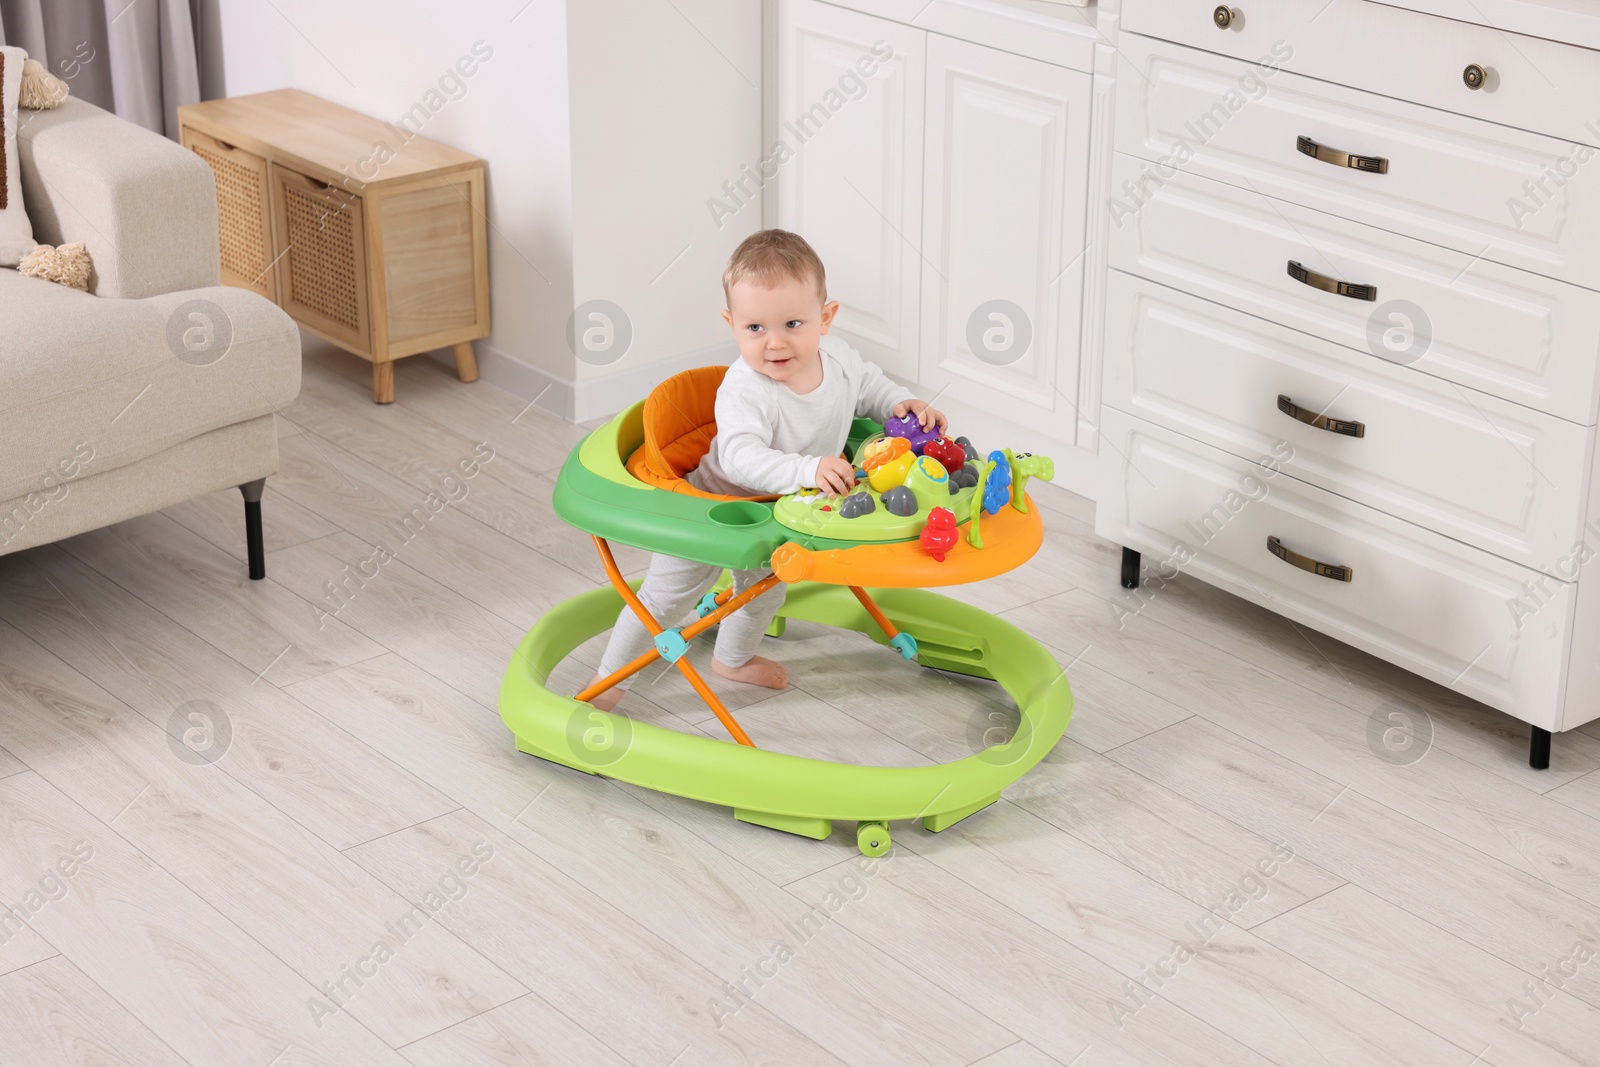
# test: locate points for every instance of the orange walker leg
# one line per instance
(878, 616)
(902, 643)
(726, 606)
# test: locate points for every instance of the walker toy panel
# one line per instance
(795, 793)
(899, 482)
(867, 516)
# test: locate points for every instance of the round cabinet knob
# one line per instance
(1474, 76)
(1224, 16)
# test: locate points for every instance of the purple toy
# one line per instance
(910, 427)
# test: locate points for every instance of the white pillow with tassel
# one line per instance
(16, 231)
(24, 83)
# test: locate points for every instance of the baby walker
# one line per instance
(926, 511)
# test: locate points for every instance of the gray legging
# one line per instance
(671, 587)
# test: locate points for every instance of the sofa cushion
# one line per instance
(88, 384)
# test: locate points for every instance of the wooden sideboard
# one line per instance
(369, 234)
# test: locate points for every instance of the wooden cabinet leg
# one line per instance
(466, 362)
(383, 383)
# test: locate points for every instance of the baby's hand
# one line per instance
(926, 413)
(835, 476)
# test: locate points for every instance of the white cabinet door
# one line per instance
(850, 115)
(1005, 188)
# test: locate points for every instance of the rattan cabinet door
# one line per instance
(322, 265)
(243, 212)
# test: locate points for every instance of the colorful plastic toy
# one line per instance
(928, 483)
(979, 495)
(888, 473)
(624, 482)
(857, 504)
(940, 534)
(997, 487)
(950, 455)
(1025, 465)
(881, 450)
(901, 501)
(910, 427)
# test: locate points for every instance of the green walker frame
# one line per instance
(796, 794)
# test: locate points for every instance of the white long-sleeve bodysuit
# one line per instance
(770, 438)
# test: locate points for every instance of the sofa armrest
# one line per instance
(145, 206)
(109, 373)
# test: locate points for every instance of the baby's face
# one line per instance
(778, 329)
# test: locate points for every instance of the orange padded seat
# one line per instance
(679, 423)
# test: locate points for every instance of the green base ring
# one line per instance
(793, 792)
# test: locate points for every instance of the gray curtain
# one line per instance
(133, 57)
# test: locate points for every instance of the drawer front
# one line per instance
(1448, 180)
(1496, 475)
(1529, 83)
(322, 275)
(1425, 602)
(1573, 21)
(1051, 32)
(1503, 331)
(244, 212)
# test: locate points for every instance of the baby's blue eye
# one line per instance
(793, 324)
(753, 326)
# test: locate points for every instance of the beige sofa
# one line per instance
(157, 385)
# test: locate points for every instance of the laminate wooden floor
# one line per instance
(281, 822)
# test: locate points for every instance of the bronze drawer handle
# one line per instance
(1353, 290)
(1370, 164)
(1306, 563)
(1224, 16)
(1474, 76)
(1322, 422)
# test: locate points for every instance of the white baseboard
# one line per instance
(548, 393)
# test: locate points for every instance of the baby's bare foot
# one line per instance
(607, 700)
(758, 670)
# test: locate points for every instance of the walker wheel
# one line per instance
(872, 838)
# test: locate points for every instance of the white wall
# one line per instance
(666, 107)
(604, 126)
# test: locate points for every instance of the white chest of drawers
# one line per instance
(1355, 290)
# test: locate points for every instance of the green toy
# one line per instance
(976, 513)
(1025, 465)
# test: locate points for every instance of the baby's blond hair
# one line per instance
(768, 257)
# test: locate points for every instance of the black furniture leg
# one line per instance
(1539, 750)
(254, 546)
(1130, 569)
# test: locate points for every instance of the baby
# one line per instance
(783, 414)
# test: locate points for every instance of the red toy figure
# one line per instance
(940, 533)
(950, 455)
